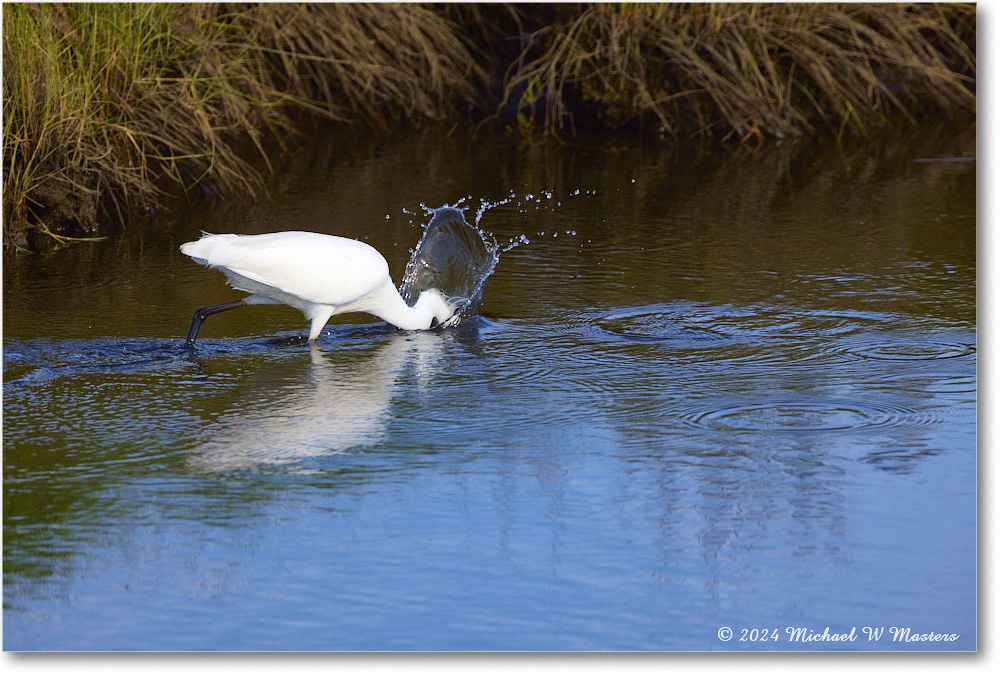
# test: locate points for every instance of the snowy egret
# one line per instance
(318, 274)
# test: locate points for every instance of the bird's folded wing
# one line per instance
(316, 268)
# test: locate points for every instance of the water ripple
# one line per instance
(801, 416)
(752, 333)
(910, 348)
(43, 360)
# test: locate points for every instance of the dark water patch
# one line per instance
(900, 460)
(940, 160)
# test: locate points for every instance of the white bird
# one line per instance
(318, 274)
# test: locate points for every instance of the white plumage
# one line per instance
(318, 274)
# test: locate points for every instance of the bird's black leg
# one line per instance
(204, 313)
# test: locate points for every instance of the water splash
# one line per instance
(454, 257)
(457, 257)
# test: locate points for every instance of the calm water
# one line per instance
(707, 391)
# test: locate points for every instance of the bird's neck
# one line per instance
(428, 307)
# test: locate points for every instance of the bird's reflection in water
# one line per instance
(339, 404)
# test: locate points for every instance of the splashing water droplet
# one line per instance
(454, 257)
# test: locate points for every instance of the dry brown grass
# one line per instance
(747, 70)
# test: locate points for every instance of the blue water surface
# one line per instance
(711, 402)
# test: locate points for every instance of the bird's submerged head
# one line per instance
(446, 311)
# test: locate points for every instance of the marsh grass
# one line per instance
(746, 71)
(63, 137)
(107, 107)
(110, 107)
